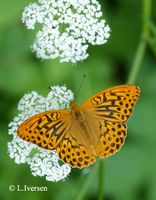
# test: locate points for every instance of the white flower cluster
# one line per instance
(43, 162)
(67, 25)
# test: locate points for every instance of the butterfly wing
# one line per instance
(108, 136)
(57, 130)
(106, 113)
(46, 129)
(73, 150)
(114, 104)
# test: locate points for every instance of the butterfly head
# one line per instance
(73, 105)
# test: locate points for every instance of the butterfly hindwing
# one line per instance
(73, 151)
(108, 136)
(111, 139)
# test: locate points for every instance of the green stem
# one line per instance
(142, 44)
(87, 182)
(146, 13)
(101, 179)
(137, 62)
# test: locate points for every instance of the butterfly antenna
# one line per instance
(59, 94)
(80, 86)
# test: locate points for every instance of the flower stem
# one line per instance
(142, 44)
(87, 182)
(137, 61)
(101, 180)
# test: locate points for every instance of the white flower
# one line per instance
(67, 25)
(44, 162)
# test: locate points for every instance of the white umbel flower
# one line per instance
(67, 27)
(42, 162)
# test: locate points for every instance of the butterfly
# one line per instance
(95, 129)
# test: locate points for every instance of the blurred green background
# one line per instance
(128, 175)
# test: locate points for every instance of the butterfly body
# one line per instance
(78, 117)
(96, 128)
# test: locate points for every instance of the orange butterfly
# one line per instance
(96, 128)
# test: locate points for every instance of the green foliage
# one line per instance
(130, 174)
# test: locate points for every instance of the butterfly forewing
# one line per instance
(114, 104)
(45, 129)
